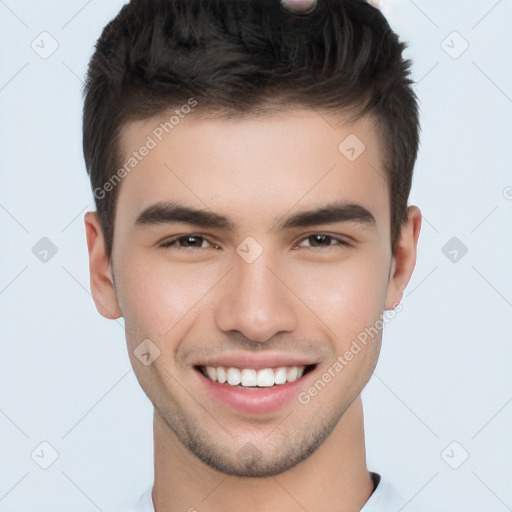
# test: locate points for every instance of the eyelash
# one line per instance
(171, 243)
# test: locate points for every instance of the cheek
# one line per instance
(156, 298)
(349, 300)
(347, 296)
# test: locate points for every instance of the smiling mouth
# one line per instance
(254, 379)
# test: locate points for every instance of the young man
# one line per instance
(251, 169)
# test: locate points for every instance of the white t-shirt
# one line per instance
(384, 498)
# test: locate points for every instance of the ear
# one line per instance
(404, 258)
(102, 286)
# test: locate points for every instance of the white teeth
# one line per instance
(234, 376)
(212, 372)
(280, 376)
(248, 377)
(292, 374)
(221, 374)
(266, 378)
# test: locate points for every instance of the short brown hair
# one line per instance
(244, 57)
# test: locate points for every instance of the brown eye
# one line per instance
(185, 242)
(322, 240)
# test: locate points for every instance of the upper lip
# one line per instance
(255, 361)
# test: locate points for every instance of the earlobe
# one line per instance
(404, 258)
(101, 282)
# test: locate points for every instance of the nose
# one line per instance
(255, 301)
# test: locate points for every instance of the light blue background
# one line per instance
(444, 372)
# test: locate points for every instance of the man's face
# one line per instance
(255, 289)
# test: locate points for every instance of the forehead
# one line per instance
(253, 167)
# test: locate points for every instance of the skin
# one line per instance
(312, 300)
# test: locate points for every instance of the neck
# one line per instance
(333, 478)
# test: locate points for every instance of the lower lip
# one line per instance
(255, 401)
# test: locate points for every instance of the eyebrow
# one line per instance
(172, 212)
